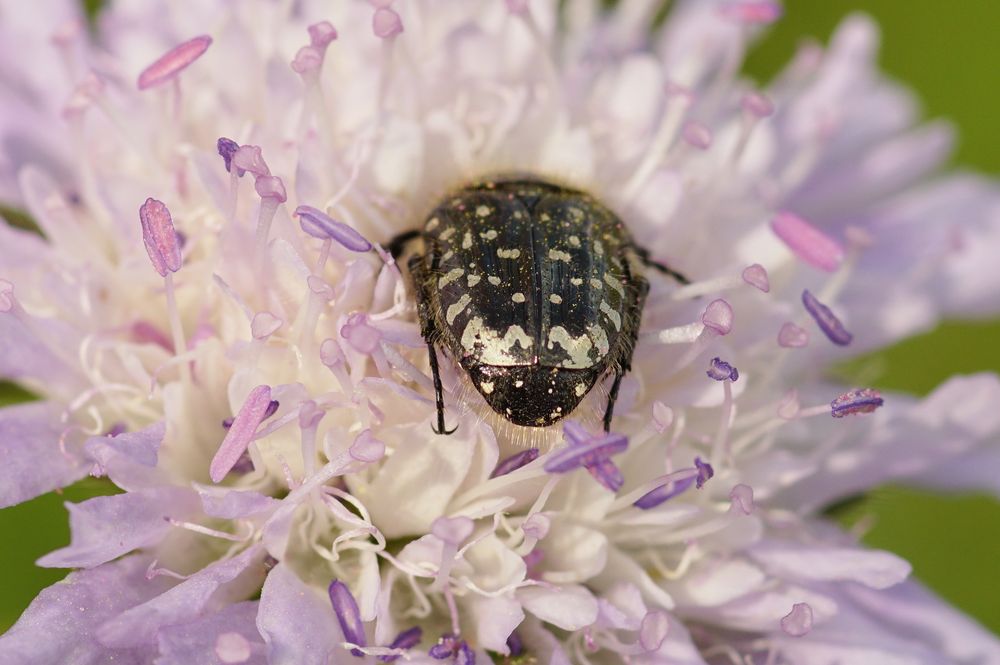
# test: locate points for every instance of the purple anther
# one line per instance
(407, 639)
(752, 12)
(664, 493)
(330, 354)
(792, 337)
(321, 34)
(250, 158)
(173, 61)
(799, 621)
(826, 320)
(756, 276)
(807, 242)
(318, 224)
(718, 316)
(366, 448)
(515, 462)
(705, 472)
(310, 414)
(271, 187)
(159, 236)
(363, 337)
(116, 429)
(241, 432)
(757, 104)
(696, 134)
(741, 497)
(854, 402)
(227, 148)
(6, 296)
(386, 23)
(653, 630)
(272, 408)
(450, 646)
(720, 370)
(590, 452)
(348, 616)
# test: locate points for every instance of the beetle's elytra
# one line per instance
(535, 289)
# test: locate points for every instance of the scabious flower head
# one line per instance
(257, 386)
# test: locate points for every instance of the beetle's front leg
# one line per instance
(429, 332)
(643, 255)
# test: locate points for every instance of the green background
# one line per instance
(948, 53)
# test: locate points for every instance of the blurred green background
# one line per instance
(948, 53)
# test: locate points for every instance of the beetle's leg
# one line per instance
(429, 333)
(643, 254)
(609, 412)
(398, 244)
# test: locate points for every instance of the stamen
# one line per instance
(159, 236)
(405, 640)
(366, 448)
(653, 630)
(264, 324)
(241, 433)
(320, 225)
(6, 296)
(720, 370)
(591, 452)
(309, 416)
(173, 62)
(792, 336)
(705, 472)
(321, 34)
(799, 621)
(757, 104)
(826, 320)
(663, 416)
(514, 645)
(363, 337)
(756, 276)
(250, 158)
(332, 357)
(752, 12)
(696, 134)
(515, 462)
(348, 615)
(807, 242)
(741, 497)
(718, 316)
(854, 402)
(386, 23)
(307, 62)
(536, 526)
(679, 483)
(450, 646)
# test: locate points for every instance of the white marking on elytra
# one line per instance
(580, 389)
(447, 255)
(432, 223)
(596, 283)
(488, 235)
(487, 387)
(555, 299)
(483, 211)
(600, 339)
(508, 253)
(450, 277)
(457, 308)
(576, 281)
(577, 348)
(447, 233)
(557, 255)
(598, 248)
(494, 280)
(615, 317)
(472, 280)
(467, 240)
(614, 283)
(574, 241)
(518, 383)
(518, 297)
(496, 350)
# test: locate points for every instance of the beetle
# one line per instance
(535, 288)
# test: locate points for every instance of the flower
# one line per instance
(212, 324)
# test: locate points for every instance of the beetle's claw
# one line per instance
(443, 430)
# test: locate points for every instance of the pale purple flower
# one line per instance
(337, 527)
